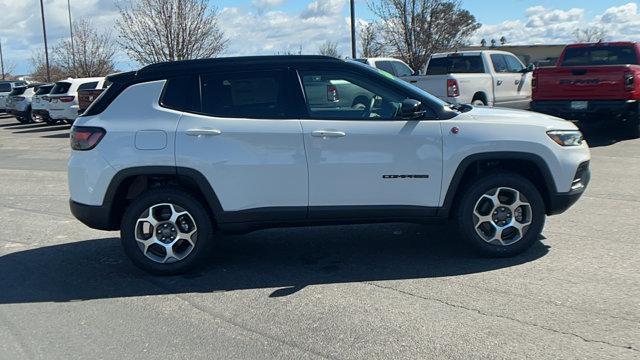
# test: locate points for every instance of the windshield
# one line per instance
(18, 91)
(44, 90)
(600, 55)
(60, 88)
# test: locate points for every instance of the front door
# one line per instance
(362, 156)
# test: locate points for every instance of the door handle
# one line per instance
(413, 81)
(499, 82)
(328, 134)
(203, 132)
(517, 82)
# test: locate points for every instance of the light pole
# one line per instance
(1, 59)
(46, 49)
(73, 48)
(353, 29)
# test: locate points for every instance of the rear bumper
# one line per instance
(596, 111)
(95, 217)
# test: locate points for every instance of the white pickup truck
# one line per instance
(488, 77)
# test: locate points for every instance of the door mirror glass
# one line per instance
(412, 109)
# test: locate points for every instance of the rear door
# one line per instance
(245, 138)
(363, 158)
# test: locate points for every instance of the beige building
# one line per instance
(540, 55)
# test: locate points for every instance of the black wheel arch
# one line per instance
(474, 165)
(130, 182)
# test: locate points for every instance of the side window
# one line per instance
(499, 63)
(513, 64)
(88, 86)
(255, 95)
(386, 66)
(347, 96)
(401, 69)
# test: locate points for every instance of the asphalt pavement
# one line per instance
(393, 291)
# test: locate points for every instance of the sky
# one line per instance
(263, 27)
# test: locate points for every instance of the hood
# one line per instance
(512, 116)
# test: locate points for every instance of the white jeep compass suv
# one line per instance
(176, 153)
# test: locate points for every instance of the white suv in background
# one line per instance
(18, 103)
(63, 98)
(175, 153)
(40, 104)
(5, 88)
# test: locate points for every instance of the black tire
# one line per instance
(185, 201)
(49, 120)
(478, 101)
(473, 192)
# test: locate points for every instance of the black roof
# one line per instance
(173, 68)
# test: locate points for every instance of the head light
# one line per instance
(566, 137)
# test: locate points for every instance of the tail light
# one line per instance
(332, 93)
(534, 82)
(66, 98)
(85, 137)
(452, 88)
(629, 81)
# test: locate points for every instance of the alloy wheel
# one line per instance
(166, 233)
(502, 216)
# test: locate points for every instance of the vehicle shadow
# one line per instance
(43, 129)
(600, 136)
(286, 260)
(20, 126)
(64, 135)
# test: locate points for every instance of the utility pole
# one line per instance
(353, 29)
(1, 59)
(73, 48)
(46, 49)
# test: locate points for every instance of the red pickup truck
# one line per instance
(592, 83)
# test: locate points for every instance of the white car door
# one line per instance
(523, 89)
(362, 156)
(248, 144)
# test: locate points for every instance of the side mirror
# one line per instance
(411, 109)
(528, 69)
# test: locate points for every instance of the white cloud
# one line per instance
(323, 8)
(556, 26)
(274, 31)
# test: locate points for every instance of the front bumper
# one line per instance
(561, 202)
(596, 111)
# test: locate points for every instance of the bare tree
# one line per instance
(590, 34)
(415, 29)
(329, 48)
(503, 40)
(153, 31)
(370, 45)
(9, 69)
(39, 68)
(92, 54)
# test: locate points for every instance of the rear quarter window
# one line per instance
(181, 94)
(5, 87)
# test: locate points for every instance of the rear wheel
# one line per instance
(501, 214)
(166, 231)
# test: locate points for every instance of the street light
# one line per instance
(46, 49)
(73, 49)
(353, 29)
(1, 59)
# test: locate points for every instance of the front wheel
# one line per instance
(166, 231)
(501, 214)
